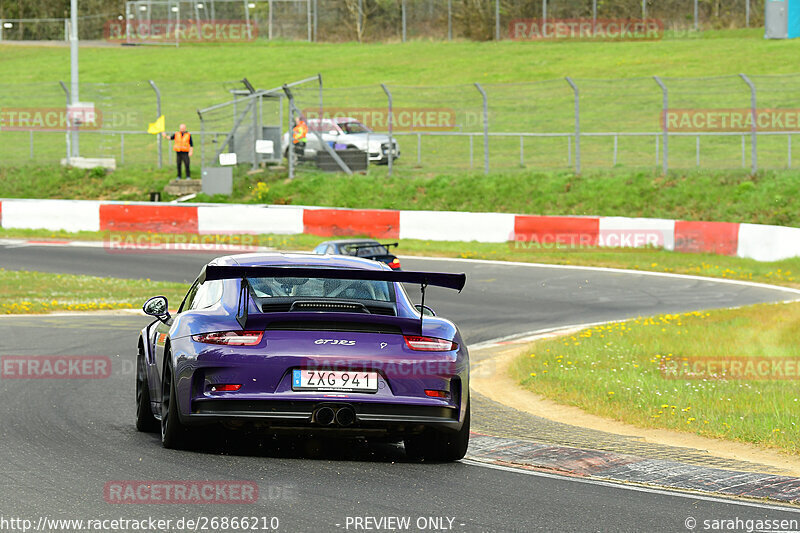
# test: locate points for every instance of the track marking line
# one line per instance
(637, 488)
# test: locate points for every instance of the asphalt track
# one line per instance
(63, 440)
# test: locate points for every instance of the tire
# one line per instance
(145, 421)
(441, 446)
(174, 434)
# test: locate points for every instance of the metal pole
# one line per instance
(496, 20)
(753, 137)
(360, 19)
(308, 19)
(747, 13)
(158, 114)
(390, 120)
(67, 136)
(449, 20)
(247, 20)
(321, 110)
(594, 15)
(695, 15)
(664, 125)
(403, 7)
(544, 11)
(290, 148)
(316, 20)
(577, 125)
(256, 133)
(644, 9)
(73, 65)
(269, 21)
(485, 128)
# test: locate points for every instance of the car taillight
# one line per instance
(429, 344)
(230, 338)
(228, 387)
(437, 393)
(395, 263)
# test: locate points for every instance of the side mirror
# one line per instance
(158, 307)
(425, 310)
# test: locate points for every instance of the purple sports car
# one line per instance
(306, 343)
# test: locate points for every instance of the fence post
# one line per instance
(449, 20)
(485, 128)
(390, 148)
(594, 15)
(403, 14)
(665, 154)
(308, 20)
(746, 13)
(753, 138)
(69, 148)
(496, 20)
(158, 114)
(577, 125)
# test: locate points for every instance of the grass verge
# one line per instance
(40, 292)
(657, 373)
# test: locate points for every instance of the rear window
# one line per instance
(339, 289)
(362, 250)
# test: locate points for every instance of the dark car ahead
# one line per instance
(367, 249)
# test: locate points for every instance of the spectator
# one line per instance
(184, 148)
(299, 133)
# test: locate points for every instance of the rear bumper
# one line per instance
(299, 416)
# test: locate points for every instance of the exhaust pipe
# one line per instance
(324, 416)
(345, 416)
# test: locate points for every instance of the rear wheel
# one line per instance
(174, 434)
(440, 445)
(145, 421)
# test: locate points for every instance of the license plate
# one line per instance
(334, 380)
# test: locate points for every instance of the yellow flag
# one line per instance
(156, 127)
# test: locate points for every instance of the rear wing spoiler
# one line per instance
(437, 279)
(423, 279)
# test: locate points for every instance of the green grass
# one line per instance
(783, 272)
(412, 63)
(767, 198)
(641, 372)
(40, 292)
(196, 76)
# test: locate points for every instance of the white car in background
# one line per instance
(348, 132)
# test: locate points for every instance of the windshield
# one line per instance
(364, 249)
(347, 289)
(354, 127)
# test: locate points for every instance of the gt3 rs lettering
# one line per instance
(340, 342)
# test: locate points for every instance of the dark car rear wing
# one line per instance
(423, 279)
